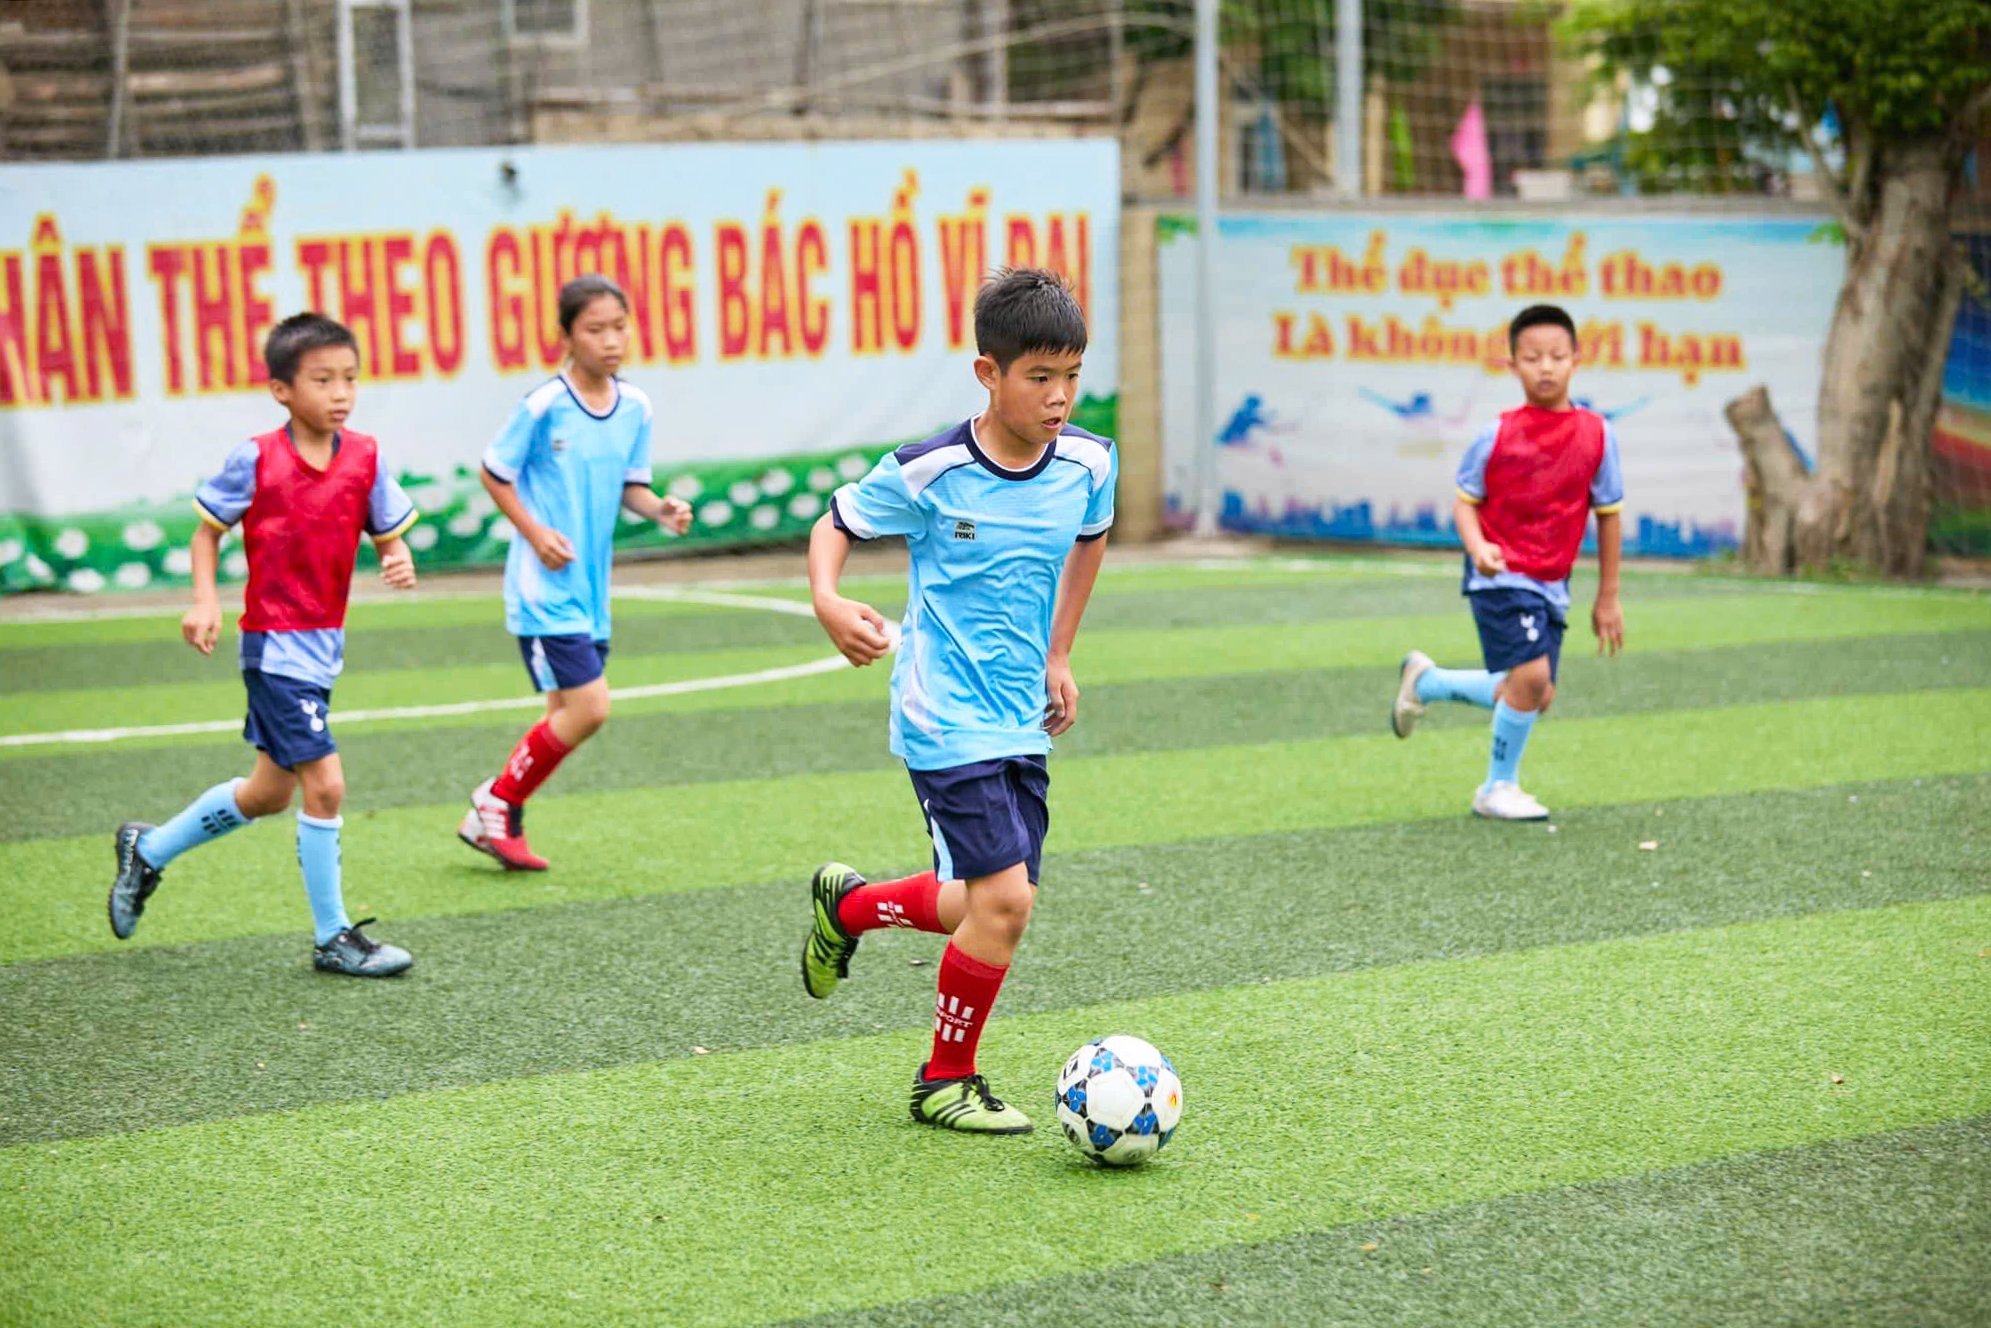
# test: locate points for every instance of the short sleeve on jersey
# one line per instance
(1472, 466)
(1099, 508)
(389, 509)
(638, 469)
(1607, 488)
(222, 500)
(507, 454)
(880, 504)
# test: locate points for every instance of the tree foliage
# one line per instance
(1733, 78)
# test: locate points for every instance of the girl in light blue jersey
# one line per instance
(573, 456)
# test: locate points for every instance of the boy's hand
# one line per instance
(674, 515)
(1608, 621)
(1489, 559)
(857, 630)
(202, 626)
(552, 547)
(397, 569)
(1061, 697)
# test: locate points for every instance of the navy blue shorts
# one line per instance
(1516, 626)
(289, 718)
(555, 663)
(987, 816)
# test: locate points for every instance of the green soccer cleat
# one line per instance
(826, 954)
(966, 1105)
(134, 883)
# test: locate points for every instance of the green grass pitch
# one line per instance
(1712, 1050)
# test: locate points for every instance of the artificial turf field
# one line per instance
(1435, 1070)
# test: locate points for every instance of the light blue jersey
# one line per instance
(987, 547)
(569, 465)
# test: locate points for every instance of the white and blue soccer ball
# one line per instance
(1119, 1100)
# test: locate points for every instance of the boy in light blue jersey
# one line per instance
(572, 458)
(1005, 517)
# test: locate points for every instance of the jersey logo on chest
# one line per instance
(964, 530)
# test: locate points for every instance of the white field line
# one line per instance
(534, 702)
(724, 599)
(688, 685)
(107, 612)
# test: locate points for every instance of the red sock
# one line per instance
(913, 902)
(968, 988)
(537, 755)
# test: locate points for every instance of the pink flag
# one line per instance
(1470, 151)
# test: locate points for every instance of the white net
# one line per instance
(1493, 97)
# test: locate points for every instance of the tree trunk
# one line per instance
(1868, 500)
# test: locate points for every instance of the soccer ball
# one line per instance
(1119, 1100)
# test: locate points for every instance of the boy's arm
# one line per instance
(855, 628)
(397, 562)
(1485, 554)
(201, 626)
(1074, 591)
(551, 546)
(672, 513)
(1606, 618)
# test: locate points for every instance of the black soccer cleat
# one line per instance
(358, 955)
(134, 883)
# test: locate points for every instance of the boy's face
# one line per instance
(600, 335)
(1544, 359)
(1033, 398)
(321, 393)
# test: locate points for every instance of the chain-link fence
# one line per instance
(1483, 98)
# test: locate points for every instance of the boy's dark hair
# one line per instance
(583, 291)
(298, 335)
(1540, 315)
(1025, 309)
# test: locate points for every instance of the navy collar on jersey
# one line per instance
(291, 438)
(614, 381)
(1003, 472)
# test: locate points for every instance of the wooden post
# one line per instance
(114, 137)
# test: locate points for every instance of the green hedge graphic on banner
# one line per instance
(732, 503)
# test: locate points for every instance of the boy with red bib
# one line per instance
(303, 494)
(1527, 488)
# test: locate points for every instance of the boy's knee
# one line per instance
(584, 711)
(1005, 903)
(257, 801)
(1528, 686)
(324, 795)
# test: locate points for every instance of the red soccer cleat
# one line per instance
(497, 827)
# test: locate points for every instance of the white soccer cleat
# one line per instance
(1408, 709)
(485, 812)
(1505, 801)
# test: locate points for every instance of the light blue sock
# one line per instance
(210, 816)
(318, 855)
(1473, 686)
(1510, 738)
